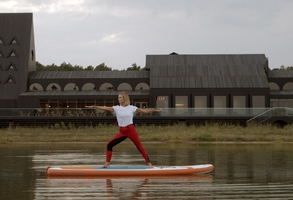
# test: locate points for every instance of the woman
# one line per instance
(124, 113)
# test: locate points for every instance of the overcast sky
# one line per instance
(122, 32)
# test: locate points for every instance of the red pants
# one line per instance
(126, 132)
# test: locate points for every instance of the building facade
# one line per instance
(168, 81)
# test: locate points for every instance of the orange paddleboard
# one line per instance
(93, 170)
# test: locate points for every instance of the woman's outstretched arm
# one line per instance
(105, 108)
(147, 110)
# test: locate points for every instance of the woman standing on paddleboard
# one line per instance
(124, 113)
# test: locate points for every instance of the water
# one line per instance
(242, 171)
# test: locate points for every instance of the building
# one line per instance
(17, 56)
(219, 84)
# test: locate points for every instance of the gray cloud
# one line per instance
(119, 33)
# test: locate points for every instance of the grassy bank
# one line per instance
(174, 133)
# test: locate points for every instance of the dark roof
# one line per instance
(87, 74)
(283, 92)
(83, 93)
(280, 73)
(208, 71)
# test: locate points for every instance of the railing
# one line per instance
(272, 112)
(172, 112)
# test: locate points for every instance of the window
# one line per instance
(71, 86)
(290, 103)
(219, 101)
(10, 80)
(35, 87)
(13, 54)
(106, 86)
(53, 86)
(181, 105)
(258, 101)
(162, 102)
(288, 86)
(141, 104)
(239, 102)
(88, 86)
(181, 102)
(53, 103)
(124, 87)
(71, 103)
(1, 41)
(142, 86)
(200, 105)
(274, 86)
(200, 102)
(32, 52)
(220, 105)
(281, 103)
(12, 67)
(14, 41)
(81, 103)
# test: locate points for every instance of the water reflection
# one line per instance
(242, 171)
(126, 187)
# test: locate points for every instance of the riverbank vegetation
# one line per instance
(150, 133)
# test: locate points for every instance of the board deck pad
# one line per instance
(123, 167)
(135, 170)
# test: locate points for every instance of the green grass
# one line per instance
(171, 134)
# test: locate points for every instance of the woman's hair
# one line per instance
(126, 98)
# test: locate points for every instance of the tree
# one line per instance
(89, 68)
(103, 67)
(134, 67)
(282, 67)
(68, 67)
(39, 66)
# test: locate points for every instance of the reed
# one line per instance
(150, 133)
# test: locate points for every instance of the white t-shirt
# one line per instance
(124, 114)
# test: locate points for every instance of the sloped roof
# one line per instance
(283, 92)
(87, 74)
(208, 71)
(83, 93)
(280, 73)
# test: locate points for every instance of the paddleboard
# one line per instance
(94, 170)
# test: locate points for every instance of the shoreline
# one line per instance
(149, 142)
(215, 133)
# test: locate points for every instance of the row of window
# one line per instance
(218, 102)
(89, 86)
(81, 103)
(161, 102)
(70, 107)
(123, 86)
(76, 107)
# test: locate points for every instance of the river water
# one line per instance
(242, 171)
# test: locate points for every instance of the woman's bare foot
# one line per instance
(106, 165)
(150, 165)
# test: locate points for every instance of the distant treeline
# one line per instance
(286, 68)
(69, 67)
(101, 67)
